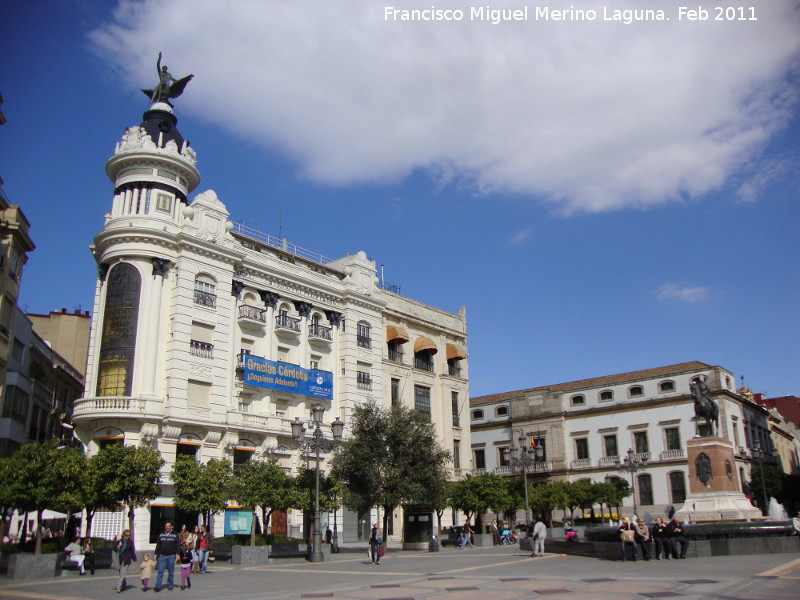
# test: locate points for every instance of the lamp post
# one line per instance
(315, 443)
(632, 464)
(527, 456)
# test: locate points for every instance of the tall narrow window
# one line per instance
(677, 485)
(480, 459)
(454, 405)
(205, 291)
(395, 392)
(581, 448)
(422, 399)
(672, 437)
(645, 489)
(363, 336)
(610, 445)
(456, 454)
(118, 342)
(640, 442)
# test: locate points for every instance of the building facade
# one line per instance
(587, 427)
(210, 338)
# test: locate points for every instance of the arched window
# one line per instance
(677, 486)
(645, 485)
(188, 445)
(108, 436)
(205, 291)
(363, 338)
(120, 321)
(578, 400)
(666, 386)
(606, 395)
(501, 411)
(635, 391)
(477, 415)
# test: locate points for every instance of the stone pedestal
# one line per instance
(714, 487)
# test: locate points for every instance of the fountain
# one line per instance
(776, 511)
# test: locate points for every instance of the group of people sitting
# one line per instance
(668, 538)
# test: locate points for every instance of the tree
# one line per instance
(393, 457)
(580, 494)
(766, 481)
(130, 475)
(474, 495)
(41, 477)
(265, 484)
(305, 486)
(203, 488)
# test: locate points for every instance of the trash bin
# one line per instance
(433, 545)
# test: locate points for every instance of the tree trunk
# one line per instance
(253, 529)
(3, 522)
(131, 517)
(37, 549)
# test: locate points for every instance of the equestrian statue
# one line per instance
(704, 406)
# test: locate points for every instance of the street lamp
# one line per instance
(632, 463)
(315, 443)
(527, 457)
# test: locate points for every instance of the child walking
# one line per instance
(186, 567)
(147, 570)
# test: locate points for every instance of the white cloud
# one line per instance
(520, 236)
(672, 292)
(589, 116)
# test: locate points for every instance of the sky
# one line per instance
(603, 196)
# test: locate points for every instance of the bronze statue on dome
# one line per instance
(167, 86)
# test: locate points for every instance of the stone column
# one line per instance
(160, 270)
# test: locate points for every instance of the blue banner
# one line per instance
(284, 377)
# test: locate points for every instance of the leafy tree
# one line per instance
(579, 494)
(264, 484)
(130, 475)
(203, 488)
(766, 480)
(41, 477)
(393, 457)
(440, 496)
(474, 495)
(305, 490)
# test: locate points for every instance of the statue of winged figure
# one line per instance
(167, 86)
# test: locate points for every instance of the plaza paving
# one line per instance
(502, 573)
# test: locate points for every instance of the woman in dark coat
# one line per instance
(127, 555)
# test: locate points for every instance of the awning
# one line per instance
(393, 332)
(455, 352)
(422, 343)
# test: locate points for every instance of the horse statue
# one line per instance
(704, 406)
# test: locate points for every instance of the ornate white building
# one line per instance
(586, 428)
(209, 338)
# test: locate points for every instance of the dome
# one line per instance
(161, 125)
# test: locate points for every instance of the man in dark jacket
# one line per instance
(165, 553)
(677, 537)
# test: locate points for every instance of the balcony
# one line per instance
(672, 454)
(580, 463)
(364, 341)
(252, 314)
(396, 355)
(503, 470)
(609, 461)
(205, 299)
(363, 381)
(641, 456)
(253, 422)
(320, 332)
(116, 407)
(201, 349)
(287, 324)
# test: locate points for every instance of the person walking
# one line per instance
(146, 567)
(194, 551)
(204, 545)
(185, 558)
(375, 543)
(467, 533)
(538, 536)
(165, 553)
(127, 554)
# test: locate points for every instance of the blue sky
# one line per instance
(602, 197)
